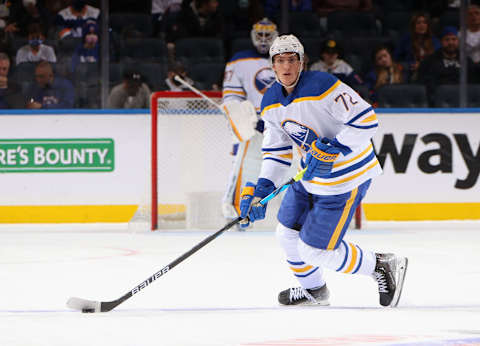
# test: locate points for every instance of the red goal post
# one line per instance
(191, 162)
(185, 129)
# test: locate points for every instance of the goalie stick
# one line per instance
(241, 131)
(86, 305)
(199, 93)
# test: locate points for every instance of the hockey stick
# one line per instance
(199, 93)
(85, 305)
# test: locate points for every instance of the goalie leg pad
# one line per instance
(246, 168)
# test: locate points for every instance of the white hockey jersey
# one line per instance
(248, 75)
(320, 106)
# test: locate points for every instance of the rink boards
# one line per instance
(94, 166)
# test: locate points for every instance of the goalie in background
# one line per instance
(332, 126)
(247, 77)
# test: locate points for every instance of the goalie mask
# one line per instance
(263, 34)
(287, 44)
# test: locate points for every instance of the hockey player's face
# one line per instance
(287, 67)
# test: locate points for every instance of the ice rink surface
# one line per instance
(226, 294)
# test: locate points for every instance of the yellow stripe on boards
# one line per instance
(343, 218)
(353, 260)
(168, 209)
(421, 211)
(66, 213)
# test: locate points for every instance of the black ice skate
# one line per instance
(389, 273)
(301, 296)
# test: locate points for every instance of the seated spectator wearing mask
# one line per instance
(35, 50)
(49, 91)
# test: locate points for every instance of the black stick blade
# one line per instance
(84, 305)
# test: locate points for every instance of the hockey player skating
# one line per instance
(247, 76)
(333, 127)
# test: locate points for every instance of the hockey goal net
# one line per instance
(191, 162)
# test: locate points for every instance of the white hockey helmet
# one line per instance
(287, 44)
(263, 33)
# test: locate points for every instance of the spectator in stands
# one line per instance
(131, 93)
(324, 7)
(49, 91)
(272, 7)
(417, 44)
(26, 12)
(4, 14)
(35, 50)
(330, 62)
(162, 12)
(54, 6)
(197, 18)
(385, 71)
(177, 68)
(443, 67)
(6, 43)
(71, 20)
(10, 92)
(88, 51)
(473, 33)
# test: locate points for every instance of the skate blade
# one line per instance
(401, 269)
(308, 303)
(316, 303)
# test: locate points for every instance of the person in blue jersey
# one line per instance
(332, 126)
(71, 20)
(87, 51)
(247, 77)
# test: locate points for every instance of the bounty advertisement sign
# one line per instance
(57, 155)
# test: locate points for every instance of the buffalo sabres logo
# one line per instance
(264, 79)
(301, 135)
